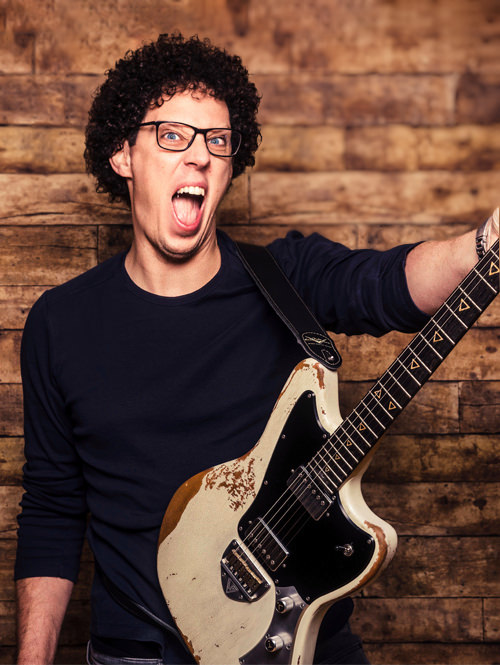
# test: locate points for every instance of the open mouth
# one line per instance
(187, 203)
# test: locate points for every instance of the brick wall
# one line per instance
(381, 124)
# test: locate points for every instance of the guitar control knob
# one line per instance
(284, 605)
(274, 643)
(347, 550)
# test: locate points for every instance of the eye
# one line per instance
(172, 133)
(218, 141)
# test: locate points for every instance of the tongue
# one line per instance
(186, 208)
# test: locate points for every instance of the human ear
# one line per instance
(120, 161)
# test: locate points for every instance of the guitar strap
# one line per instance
(289, 306)
(287, 303)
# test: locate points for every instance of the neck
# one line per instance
(162, 275)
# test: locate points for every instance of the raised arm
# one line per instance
(434, 268)
(41, 605)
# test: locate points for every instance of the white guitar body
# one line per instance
(211, 515)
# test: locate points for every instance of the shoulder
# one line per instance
(307, 256)
(60, 300)
(92, 279)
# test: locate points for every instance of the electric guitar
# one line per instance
(254, 551)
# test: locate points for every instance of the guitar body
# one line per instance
(250, 556)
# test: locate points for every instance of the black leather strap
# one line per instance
(136, 608)
(287, 303)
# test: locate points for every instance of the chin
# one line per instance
(181, 251)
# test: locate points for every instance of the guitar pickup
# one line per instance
(302, 484)
(241, 579)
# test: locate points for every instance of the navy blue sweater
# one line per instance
(127, 394)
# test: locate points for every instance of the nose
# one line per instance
(197, 153)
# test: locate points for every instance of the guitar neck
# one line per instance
(378, 409)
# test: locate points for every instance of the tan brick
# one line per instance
(369, 99)
(418, 619)
(56, 199)
(300, 149)
(16, 47)
(427, 458)
(403, 148)
(478, 98)
(431, 653)
(114, 239)
(41, 150)
(391, 148)
(45, 255)
(11, 462)
(234, 208)
(45, 99)
(11, 410)
(461, 148)
(437, 509)
(15, 303)
(492, 619)
(480, 406)
(423, 565)
(9, 500)
(419, 198)
(396, 36)
(10, 346)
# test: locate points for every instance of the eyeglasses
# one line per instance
(177, 136)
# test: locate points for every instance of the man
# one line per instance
(166, 360)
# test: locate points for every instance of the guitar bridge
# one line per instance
(241, 579)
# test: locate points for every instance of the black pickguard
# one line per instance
(314, 566)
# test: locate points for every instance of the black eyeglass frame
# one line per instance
(234, 133)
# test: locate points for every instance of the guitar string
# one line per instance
(294, 495)
(362, 417)
(272, 521)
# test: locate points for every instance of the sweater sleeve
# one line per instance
(53, 508)
(350, 291)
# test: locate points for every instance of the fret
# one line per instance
(470, 299)
(349, 442)
(357, 434)
(440, 340)
(430, 346)
(398, 383)
(485, 280)
(416, 359)
(338, 461)
(363, 421)
(410, 374)
(328, 469)
(361, 427)
(456, 315)
(386, 401)
(328, 483)
(378, 396)
(372, 415)
(442, 330)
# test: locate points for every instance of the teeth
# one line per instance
(194, 191)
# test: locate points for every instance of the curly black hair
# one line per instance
(144, 78)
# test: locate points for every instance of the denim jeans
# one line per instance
(96, 658)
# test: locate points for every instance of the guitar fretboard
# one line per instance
(364, 426)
